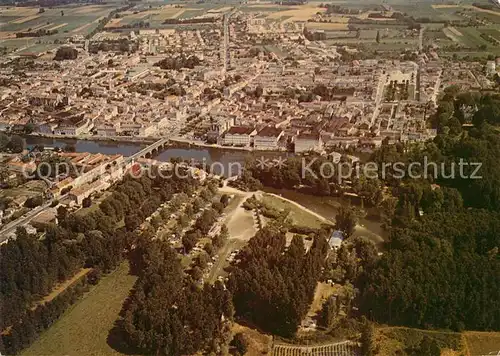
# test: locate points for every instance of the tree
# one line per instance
(189, 241)
(346, 220)
(197, 273)
(94, 276)
(329, 313)
(224, 199)
(428, 347)
(87, 202)
(132, 222)
(258, 91)
(29, 128)
(16, 144)
(65, 52)
(378, 37)
(209, 248)
(240, 343)
(33, 202)
(4, 141)
(62, 213)
(366, 340)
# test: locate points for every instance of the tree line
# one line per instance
(441, 264)
(441, 272)
(31, 267)
(168, 313)
(273, 285)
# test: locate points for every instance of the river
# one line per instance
(225, 162)
(221, 160)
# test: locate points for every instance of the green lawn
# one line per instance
(299, 216)
(84, 328)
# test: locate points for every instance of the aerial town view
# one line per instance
(250, 177)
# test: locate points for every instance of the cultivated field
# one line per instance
(327, 26)
(84, 328)
(297, 13)
(67, 20)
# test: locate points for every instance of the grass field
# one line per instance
(482, 343)
(299, 216)
(84, 327)
(493, 32)
(394, 340)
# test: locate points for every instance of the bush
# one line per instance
(64, 53)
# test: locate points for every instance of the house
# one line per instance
(74, 127)
(308, 142)
(45, 217)
(218, 126)
(86, 190)
(18, 166)
(50, 100)
(106, 130)
(268, 138)
(46, 128)
(239, 136)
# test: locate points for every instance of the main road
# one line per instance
(13, 225)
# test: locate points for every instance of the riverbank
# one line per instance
(117, 139)
(174, 141)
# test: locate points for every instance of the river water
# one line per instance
(223, 162)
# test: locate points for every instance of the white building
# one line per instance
(308, 142)
(239, 136)
(107, 130)
(268, 138)
(76, 129)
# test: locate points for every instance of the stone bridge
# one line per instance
(151, 150)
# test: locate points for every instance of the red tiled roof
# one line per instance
(270, 131)
(240, 130)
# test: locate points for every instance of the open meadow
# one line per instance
(84, 329)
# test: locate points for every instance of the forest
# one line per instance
(30, 268)
(168, 313)
(441, 271)
(273, 285)
(441, 266)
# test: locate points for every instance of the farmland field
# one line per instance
(394, 340)
(493, 32)
(68, 20)
(84, 328)
(327, 26)
(298, 13)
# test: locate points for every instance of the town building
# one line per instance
(239, 136)
(308, 142)
(268, 138)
